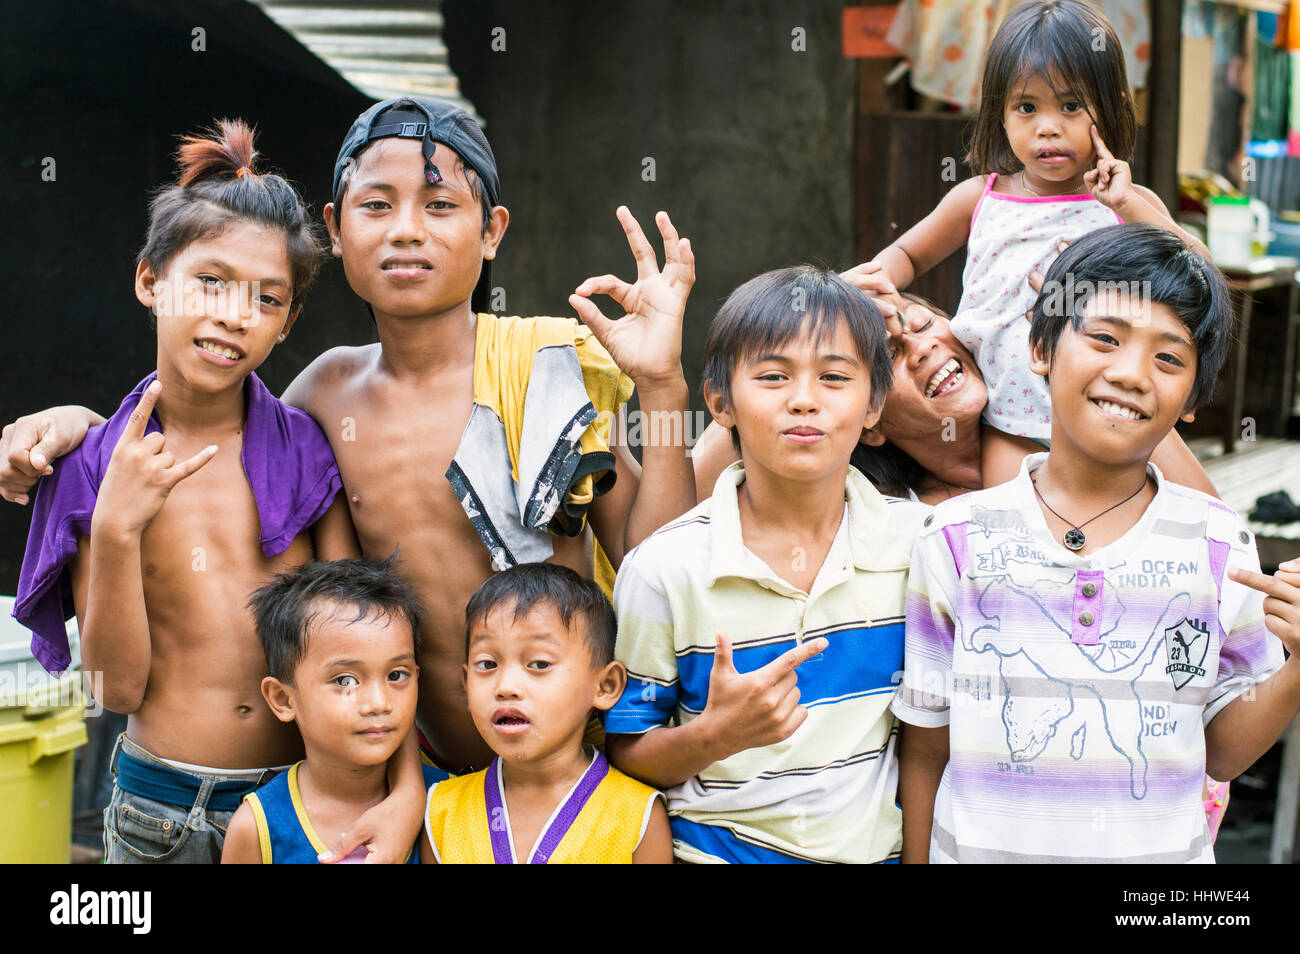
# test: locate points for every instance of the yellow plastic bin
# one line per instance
(42, 722)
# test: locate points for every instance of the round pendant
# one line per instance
(1074, 539)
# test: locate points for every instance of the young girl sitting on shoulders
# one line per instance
(1054, 131)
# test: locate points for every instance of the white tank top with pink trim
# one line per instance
(1011, 236)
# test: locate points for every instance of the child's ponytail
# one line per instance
(218, 183)
(227, 150)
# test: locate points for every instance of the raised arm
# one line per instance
(646, 343)
(108, 587)
(31, 443)
(924, 245)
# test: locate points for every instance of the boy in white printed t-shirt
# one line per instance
(1080, 649)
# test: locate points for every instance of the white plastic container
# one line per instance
(1232, 225)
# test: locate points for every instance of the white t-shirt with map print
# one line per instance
(1076, 688)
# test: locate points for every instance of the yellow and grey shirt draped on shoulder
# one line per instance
(826, 794)
(536, 450)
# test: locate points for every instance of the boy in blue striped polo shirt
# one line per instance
(763, 630)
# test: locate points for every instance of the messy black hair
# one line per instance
(1160, 267)
(773, 309)
(528, 585)
(286, 608)
(1069, 44)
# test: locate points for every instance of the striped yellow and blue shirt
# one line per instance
(826, 794)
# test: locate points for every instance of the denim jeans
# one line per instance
(140, 830)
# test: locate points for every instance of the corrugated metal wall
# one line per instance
(386, 48)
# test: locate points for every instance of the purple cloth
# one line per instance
(286, 458)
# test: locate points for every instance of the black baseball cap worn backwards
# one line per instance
(430, 121)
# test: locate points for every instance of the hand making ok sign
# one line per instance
(647, 341)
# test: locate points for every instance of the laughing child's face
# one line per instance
(532, 682)
(1122, 380)
(221, 303)
(410, 248)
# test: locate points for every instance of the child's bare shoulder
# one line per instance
(955, 209)
(332, 372)
(967, 192)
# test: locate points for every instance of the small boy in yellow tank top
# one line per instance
(540, 647)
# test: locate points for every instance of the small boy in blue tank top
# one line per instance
(341, 640)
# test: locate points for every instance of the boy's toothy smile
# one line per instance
(1115, 409)
(220, 352)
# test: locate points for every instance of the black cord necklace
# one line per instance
(1074, 538)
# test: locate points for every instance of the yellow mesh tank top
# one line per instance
(606, 830)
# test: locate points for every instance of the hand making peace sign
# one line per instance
(142, 472)
(647, 341)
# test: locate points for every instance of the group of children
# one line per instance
(279, 592)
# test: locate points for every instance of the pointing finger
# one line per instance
(791, 660)
(188, 467)
(135, 424)
(1102, 151)
(1257, 581)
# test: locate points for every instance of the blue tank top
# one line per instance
(284, 832)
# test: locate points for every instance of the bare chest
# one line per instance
(207, 537)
